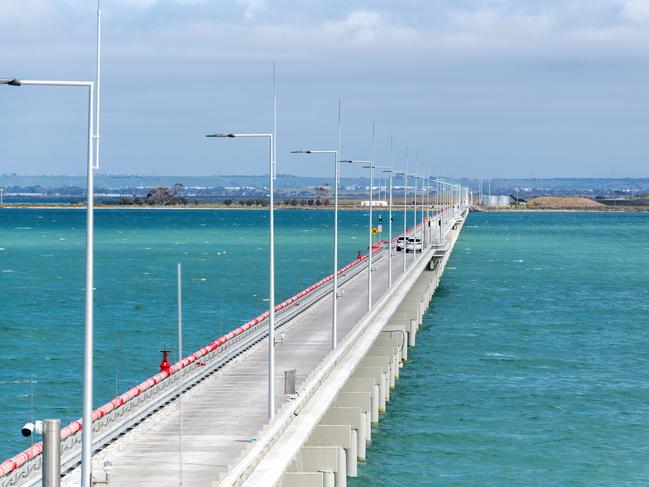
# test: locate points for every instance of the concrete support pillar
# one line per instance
(363, 437)
(394, 340)
(377, 374)
(400, 333)
(361, 400)
(352, 417)
(330, 460)
(386, 362)
(352, 457)
(341, 436)
(412, 333)
(329, 479)
(366, 385)
(393, 355)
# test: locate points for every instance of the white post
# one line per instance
(180, 357)
(414, 223)
(390, 236)
(405, 218)
(98, 85)
(86, 432)
(334, 318)
(369, 260)
(271, 285)
(423, 220)
(334, 323)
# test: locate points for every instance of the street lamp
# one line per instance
(405, 214)
(86, 432)
(414, 223)
(390, 171)
(369, 165)
(334, 319)
(271, 265)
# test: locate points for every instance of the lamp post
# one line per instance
(334, 319)
(424, 206)
(389, 171)
(405, 213)
(86, 433)
(271, 266)
(414, 223)
(414, 248)
(369, 165)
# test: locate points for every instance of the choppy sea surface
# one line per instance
(225, 280)
(532, 366)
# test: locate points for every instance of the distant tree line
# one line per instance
(160, 196)
(249, 202)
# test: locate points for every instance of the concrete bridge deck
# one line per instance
(224, 414)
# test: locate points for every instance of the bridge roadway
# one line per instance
(226, 412)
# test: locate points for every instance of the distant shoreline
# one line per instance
(398, 207)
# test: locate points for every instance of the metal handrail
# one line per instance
(140, 402)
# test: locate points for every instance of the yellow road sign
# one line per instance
(375, 230)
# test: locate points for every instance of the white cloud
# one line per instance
(252, 7)
(366, 28)
(636, 10)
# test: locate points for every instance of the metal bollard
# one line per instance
(51, 453)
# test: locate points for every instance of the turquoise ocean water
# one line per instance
(224, 257)
(531, 367)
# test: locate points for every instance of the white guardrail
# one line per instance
(128, 410)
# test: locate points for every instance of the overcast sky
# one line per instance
(472, 87)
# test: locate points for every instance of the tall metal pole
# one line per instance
(405, 219)
(86, 432)
(423, 219)
(271, 293)
(271, 264)
(414, 221)
(390, 226)
(334, 325)
(334, 318)
(390, 235)
(180, 357)
(369, 260)
(98, 86)
(271, 255)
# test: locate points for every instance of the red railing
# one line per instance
(36, 449)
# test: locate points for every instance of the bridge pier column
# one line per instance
(394, 341)
(366, 386)
(412, 334)
(391, 351)
(352, 417)
(342, 436)
(389, 355)
(400, 332)
(377, 374)
(328, 460)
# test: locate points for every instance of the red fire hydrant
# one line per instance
(165, 365)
